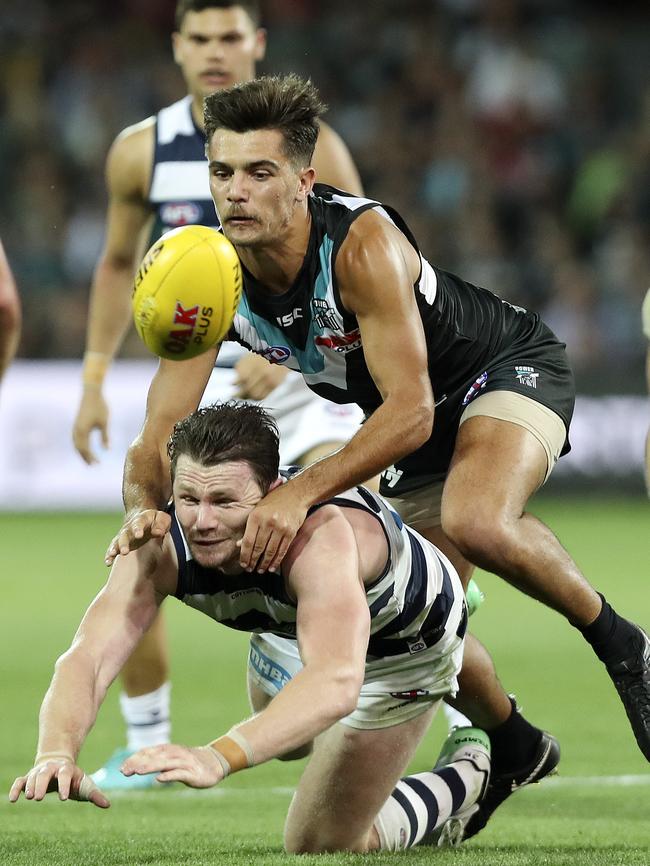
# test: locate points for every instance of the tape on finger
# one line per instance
(86, 788)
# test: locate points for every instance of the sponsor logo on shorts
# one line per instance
(411, 695)
(268, 669)
(527, 376)
(181, 213)
(478, 385)
(276, 354)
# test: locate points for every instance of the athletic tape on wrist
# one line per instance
(94, 368)
(233, 751)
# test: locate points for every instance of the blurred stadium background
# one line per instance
(514, 135)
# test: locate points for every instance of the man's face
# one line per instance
(217, 48)
(212, 505)
(255, 187)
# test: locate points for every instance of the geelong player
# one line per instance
(468, 398)
(157, 179)
(365, 651)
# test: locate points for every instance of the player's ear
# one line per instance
(260, 44)
(176, 42)
(307, 178)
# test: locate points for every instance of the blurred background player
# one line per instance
(157, 179)
(10, 314)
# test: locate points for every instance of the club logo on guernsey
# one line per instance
(276, 354)
(324, 315)
(181, 213)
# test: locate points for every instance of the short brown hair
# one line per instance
(287, 103)
(229, 431)
(251, 7)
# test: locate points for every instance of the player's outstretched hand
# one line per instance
(271, 527)
(196, 766)
(256, 377)
(62, 775)
(91, 415)
(139, 527)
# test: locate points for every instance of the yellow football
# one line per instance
(186, 292)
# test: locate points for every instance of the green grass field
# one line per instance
(596, 812)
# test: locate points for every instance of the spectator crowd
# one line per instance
(513, 135)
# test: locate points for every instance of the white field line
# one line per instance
(279, 791)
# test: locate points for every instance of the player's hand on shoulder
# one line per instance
(58, 774)
(139, 527)
(271, 527)
(91, 415)
(256, 377)
(195, 766)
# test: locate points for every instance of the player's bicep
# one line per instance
(376, 276)
(333, 620)
(127, 179)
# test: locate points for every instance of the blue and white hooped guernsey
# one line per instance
(179, 193)
(409, 603)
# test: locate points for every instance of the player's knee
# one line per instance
(481, 534)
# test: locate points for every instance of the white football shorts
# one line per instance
(395, 689)
(304, 419)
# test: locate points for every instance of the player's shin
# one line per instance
(423, 806)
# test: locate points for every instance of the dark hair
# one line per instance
(287, 103)
(251, 7)
(229, 431)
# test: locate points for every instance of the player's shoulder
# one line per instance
(129, 159)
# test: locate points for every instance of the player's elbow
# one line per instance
(342, 684)
(418, 424)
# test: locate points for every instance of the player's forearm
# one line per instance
(309, 704)
(392, 432)
(109, 316)
(70, 706)
(9, 333)
(146, 482)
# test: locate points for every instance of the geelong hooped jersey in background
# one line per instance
(409, 603)
(308, 329)
(179, 192)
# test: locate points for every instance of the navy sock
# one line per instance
(611, 637)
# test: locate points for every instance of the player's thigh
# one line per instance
(506, 447)
(496, 467)
(349, 778)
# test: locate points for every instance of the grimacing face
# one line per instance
(255, 187)
(212, 505)
(217, 48)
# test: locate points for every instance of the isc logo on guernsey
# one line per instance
(195, 328)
